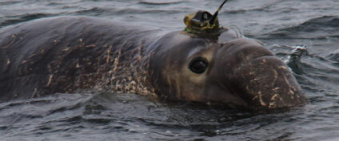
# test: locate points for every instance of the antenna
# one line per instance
(212, 20)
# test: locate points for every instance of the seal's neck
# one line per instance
(127, 64)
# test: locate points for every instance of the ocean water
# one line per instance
(304, 33)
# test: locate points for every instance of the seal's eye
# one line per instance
(198, 65)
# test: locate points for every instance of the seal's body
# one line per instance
(65, 54)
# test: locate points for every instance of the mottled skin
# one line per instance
(65, 54)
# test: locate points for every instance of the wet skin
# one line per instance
(65, 54)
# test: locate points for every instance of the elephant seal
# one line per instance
(65, 54)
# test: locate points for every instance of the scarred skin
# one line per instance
(65, 54)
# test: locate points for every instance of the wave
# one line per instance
(306, 64)
(10, 20)
(334, 56)
(9, 2)
(316, 28)
(111, 11)
(159, 2)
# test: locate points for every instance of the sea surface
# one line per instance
(304, 33)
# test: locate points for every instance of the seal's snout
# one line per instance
(259, 78)
(268, 82)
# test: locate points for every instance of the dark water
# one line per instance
(305, 33)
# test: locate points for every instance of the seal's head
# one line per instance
(221, 67)
(237, 72)
(231, 71)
